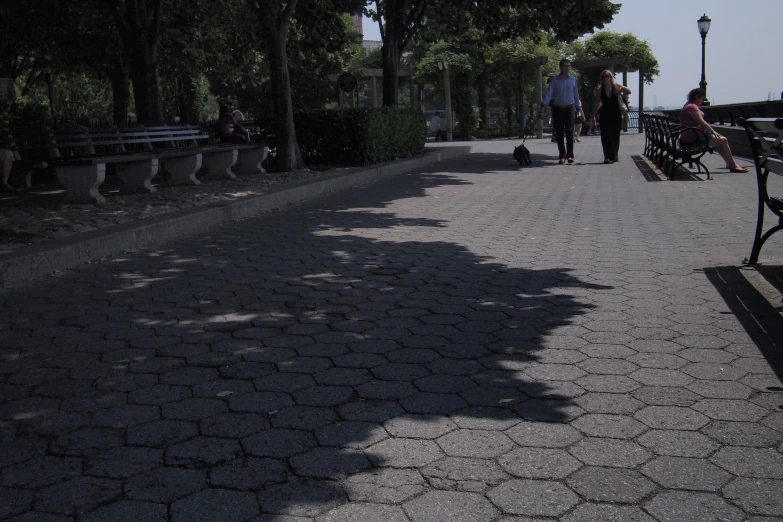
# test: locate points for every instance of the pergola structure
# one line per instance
(611, 64)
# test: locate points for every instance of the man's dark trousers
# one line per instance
(563, 122)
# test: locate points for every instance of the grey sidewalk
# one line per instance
(469, 342)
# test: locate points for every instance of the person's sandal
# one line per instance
(562, 161)
(739, 170)
(570, 160)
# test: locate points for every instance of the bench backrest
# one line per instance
(766, 142)
(77, 142)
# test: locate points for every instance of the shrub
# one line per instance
(353, 137)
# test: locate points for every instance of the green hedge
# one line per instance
(353, 137)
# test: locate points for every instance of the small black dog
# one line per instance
(522, 155)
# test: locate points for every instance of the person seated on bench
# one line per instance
(6, 164)
(437, 124)
(692, 116)
(230, 130)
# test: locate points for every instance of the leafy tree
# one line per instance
(401, 20)
(609, 44)
(274, 17)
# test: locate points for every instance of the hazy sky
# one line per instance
(739, 66)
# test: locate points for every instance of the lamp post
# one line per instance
(704, 28)
(444, 66)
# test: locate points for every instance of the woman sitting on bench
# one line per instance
(230, 130)
(692, 116)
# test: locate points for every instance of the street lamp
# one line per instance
(444, 66)
(704, 28)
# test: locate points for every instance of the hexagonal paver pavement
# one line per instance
(467, 341)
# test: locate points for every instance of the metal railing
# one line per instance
(730, 113)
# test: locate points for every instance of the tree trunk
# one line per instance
(146, 88)
(481, 84)
(289, 155)
(187, 96)
(142, 24)
(120, 88)
(391, 68)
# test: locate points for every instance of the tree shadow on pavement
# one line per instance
(285, 365)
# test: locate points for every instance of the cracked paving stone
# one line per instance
(743, 434)
(611, 485)
(40, 472)
(124, 416)
(686, 473)
(671, 418)
(609, 453)
(533, 498)
(370, 411)
(348, 434)
(215, 504)
(404, 453)
(124, 462)
(756, 495)
(165, 485)
(475, 443)
(666, 396)
(86, 442)
(539, 463)
(301, 497)
(678, 443)
(303, 418)
(414, 426)
(610, 403)
(364, 513)
(750, 462)
(278, 443)
(202, 451)
(260, 402)
(332, 463)
(676, 506)
(248, 473)
(161, 433)
(387, 485)
(730, 410)
(233, 425)
(464, 474)
(612, 426)
(77, 496)
(193, 409)
(543, 434)
(607, 513)
(14, 501)
(432, 403)
(128, 511)
(450, 506)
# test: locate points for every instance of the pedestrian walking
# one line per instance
(563, 97)
(608, 97)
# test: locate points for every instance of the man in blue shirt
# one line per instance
(563, 96)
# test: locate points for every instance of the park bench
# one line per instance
(665, 147)
(79, 157)
(766, 142)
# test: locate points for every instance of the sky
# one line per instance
(742, 54)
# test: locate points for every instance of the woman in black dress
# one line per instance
(609, 96)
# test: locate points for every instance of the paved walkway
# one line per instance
(473, 342)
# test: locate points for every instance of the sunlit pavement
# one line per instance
(474, 342)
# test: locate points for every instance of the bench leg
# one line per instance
(137, 175)
(82, 182)
(183, 169)
(250, 160)
(220, 163)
